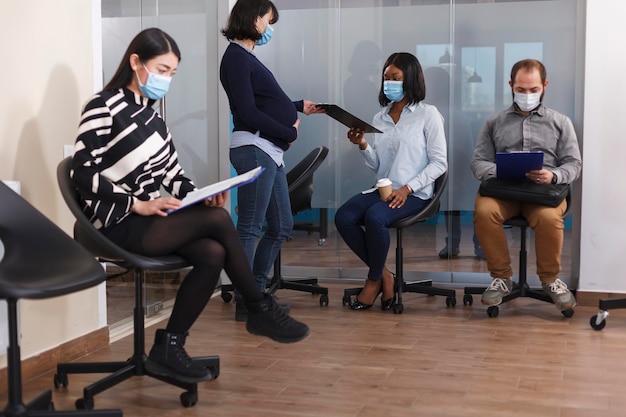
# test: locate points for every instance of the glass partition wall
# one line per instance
(190, 108)
(332, 51)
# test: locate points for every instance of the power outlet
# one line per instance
(68, 150)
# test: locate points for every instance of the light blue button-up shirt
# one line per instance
(411, 152)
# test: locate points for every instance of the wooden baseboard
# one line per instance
(67, 352)
(591, 299)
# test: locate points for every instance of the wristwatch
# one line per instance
(554, 179)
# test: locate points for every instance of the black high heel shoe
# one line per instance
(357, 305)
(387, 304)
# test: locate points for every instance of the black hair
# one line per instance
(413, 85)
(243, 16)
(147, 44)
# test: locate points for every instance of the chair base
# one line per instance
(43, 406)
(598, 321)
(519, 291)
(309, 285)
(121, 371)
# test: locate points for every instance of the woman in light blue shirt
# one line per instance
(411, 152)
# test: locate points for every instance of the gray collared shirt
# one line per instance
(542, 130)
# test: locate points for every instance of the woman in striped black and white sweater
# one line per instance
(123, 155)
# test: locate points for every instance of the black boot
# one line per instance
(241, 311)
(267, 318)
(168, 358)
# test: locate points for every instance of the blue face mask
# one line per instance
(156, 85)
(266, 36)
(393, 90)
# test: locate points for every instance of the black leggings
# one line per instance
(207, 238)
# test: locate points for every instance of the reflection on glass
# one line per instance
(435, 55)
(513, 52)
(331, 51)
(478, 91)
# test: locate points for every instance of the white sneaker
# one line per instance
(499, 288)
(562, 298)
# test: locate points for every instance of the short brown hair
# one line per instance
(529, 65)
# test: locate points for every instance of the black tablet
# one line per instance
(347, 119)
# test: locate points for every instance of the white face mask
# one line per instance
(527, 102)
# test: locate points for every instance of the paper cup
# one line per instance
(384, 188)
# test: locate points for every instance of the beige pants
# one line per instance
(547, 222)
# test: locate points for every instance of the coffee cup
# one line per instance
(384, 188)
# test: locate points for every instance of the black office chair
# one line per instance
(105, 250)
(400, 285)
(300, 181)
(521, 289)
(40, 261)
(598, 321)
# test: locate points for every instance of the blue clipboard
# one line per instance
(203, 193)
(515, 165)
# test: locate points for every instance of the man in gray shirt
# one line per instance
(526, 126)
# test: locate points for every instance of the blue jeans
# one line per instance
(372, 243)
(263, 200)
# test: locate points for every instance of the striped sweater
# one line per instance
(123, 152)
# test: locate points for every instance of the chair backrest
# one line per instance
(97, 243)
(40, 260)
(300, 179)
(431, 208)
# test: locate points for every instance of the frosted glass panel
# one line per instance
(332, 51)
(513, 52)
(190, 107)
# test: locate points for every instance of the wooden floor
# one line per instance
(421, 244)
(429, 361)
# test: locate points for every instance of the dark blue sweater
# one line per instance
(256, 100)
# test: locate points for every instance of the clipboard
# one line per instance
(203, 193)
(515, 165)
(347, 119)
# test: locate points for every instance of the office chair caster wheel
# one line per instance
(323, 300)
(468, 300)
(398, 308)
(227, 297)
(568, 313)
(60, 379)
(450, 301)
(345, 300)
(493, 311)
(594, 323)
(188, 399)
(84, 404)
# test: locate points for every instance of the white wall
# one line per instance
(603, 224)
(46, 74)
